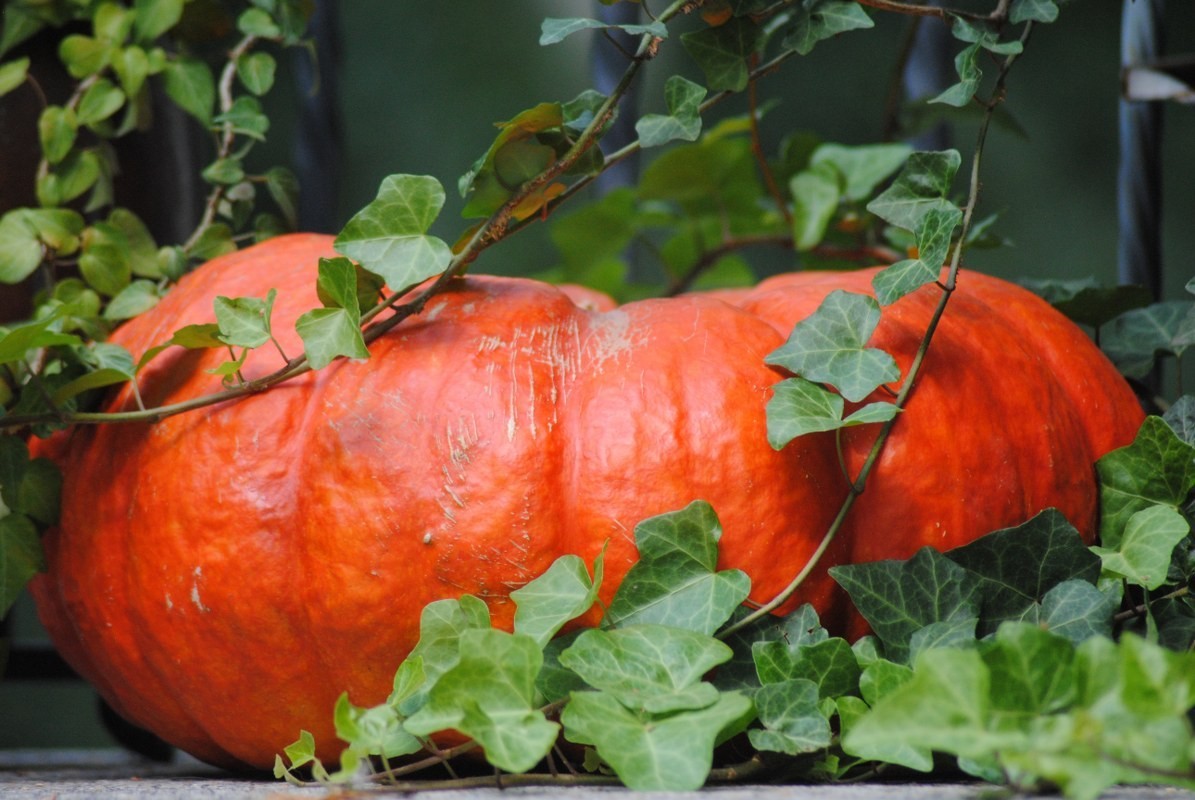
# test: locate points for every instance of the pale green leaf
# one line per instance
(388, 236)
(13, 74)
(154, 17)
(816, 192)
(676, 582)
(793, 723)
(1144, 552)
(683, 120)
(565, 591)
(189, 83)
(922, 185)
(829, 346)
(554, 30)
(862, 167)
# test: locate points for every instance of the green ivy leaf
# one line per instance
(862, 167)
(57, 128)
(256, 22)
(652, 668)
(101, 100)
(246, 118)
(244, 321)
(154, 17)
(648, 752)
(334, 330)
(189, 83)
(135, 299)
(441, 625)
(555, 30)
(829, 346)
(131, 65)
(816, 193)
(84, 56)
(373, 731)
(723, 52)
(489, 696)
(21, 557)
(73, 176)
(900, 597)
(921, 186)
(935, 232)
(1033, 11)
(966, 64)
(830, 665)
(793, 723)
(1158, 468)
(1136, 338)
(388, 236)
(798, 407)
(1014, 568)
(683, 120)
(256, 72)
(1144, 552)
(224, 170)
(818, 20)
(1087, 302)
(676, 582)
(19, 340)
(1077, 610)
(283, 187)
(13, 74)
(216, 240)
(797, 628)
(24, 232)
(564, 592)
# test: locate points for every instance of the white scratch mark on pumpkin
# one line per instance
(446, 510)
(169, 602)
(195, 591)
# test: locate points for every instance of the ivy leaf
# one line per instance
(373, 731)
(1033, 11)
(564, 592)
(244, 321)
(921, 186)
(24, 232)
(18, 341)
(283, 187)
(334, 330)
(527, 134)
(654, 668)
(829, 346)
(683, 120)
(818, 20)
(256, 72)
(489, 696)
(723, 52)
(1181, 418)
(1158, 468)
(830, 665)
(442, 623)
(101, 100)
(216, 240)
(1077, 610)
(1014, 568)
(945, 706)
(966, 64)
(1087, 302)
(154, 17)
(13, 74)
(555, 30)
(56, 129)
(676, 582)
(389, 236)
(797, 628)
(21, 557)
(793, 723)
(189, 83)
(900, 597)
(935, 232)
(257, 22)
(84, 56)
(798, 407)
(816, 193)
(1144, 552)
(112, 365)
(246, 119)
(862, 167)
(104, 262)
(647, 752)
(1136, 338)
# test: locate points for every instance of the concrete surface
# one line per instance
(112, 775)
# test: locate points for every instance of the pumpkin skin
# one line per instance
(221, 576)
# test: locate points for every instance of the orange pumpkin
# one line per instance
(222, 575)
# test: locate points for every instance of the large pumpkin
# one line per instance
(222, 575)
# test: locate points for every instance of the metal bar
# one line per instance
(1139, 179)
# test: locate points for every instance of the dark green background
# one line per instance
(420, 84)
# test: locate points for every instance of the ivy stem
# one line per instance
(857, 486)
(227, 138)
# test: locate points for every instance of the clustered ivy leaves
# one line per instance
(1024, 656)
